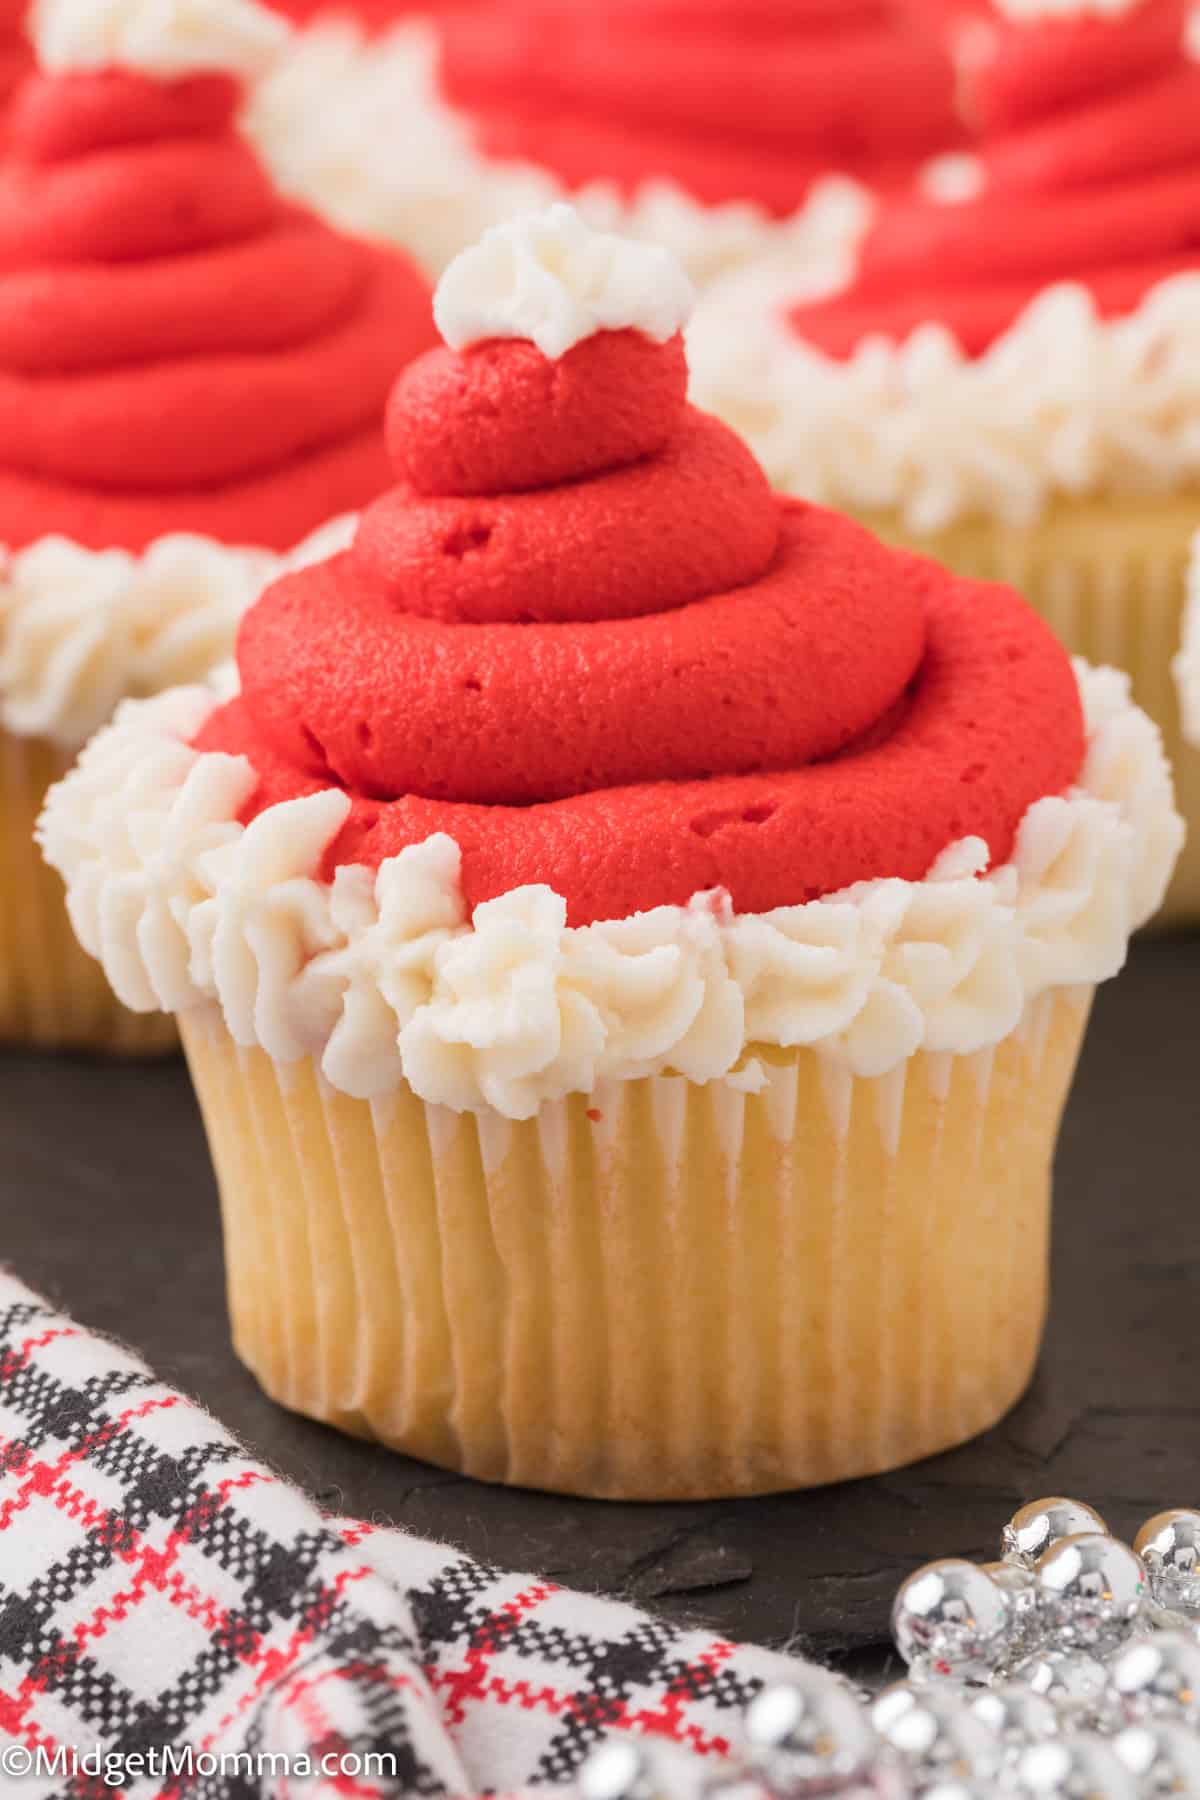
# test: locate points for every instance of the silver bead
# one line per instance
(1164, 1758)
(1042, 1524)
(952, 1615)
(620, 1770)
(1074, 1683)
(1072, 1768)
(935, 1734)
(1169, 1545)
(1091, 1590)
(1015, 1714)
(1159, 1677)
(809, 1735)
(1023, 1629)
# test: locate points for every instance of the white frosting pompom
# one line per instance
(550, 278)
(163, 38)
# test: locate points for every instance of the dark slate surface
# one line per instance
(106, 1203)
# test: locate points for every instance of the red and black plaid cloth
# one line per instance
(159, 1589)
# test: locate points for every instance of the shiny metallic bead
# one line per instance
(1169, 1545)
(1015, 1714)
(1091, 1591)
(1159, 1677)
(954, 1616)
(1023, 1627)
(808, 1735)
(1164, 1758)
(1072, 1768)
(1042, 1524)
(936, 1734)
(621, 1770)
(1074, 1683)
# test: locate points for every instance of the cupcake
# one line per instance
(631, 933)
(1011, 382)
(721, 128)
(193, 376)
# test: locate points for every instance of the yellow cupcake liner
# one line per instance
(660, 1290)
(1110, 577)
(52, 994)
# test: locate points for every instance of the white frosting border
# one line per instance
(1064, 403)
(81, 630)
(356, 127)
(382, 978)
(163, 38)
(1187, 663)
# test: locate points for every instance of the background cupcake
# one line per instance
(721, 128)
(631, 934)
(1012, 380)
(186, 362)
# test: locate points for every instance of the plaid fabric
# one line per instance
(160, 1591)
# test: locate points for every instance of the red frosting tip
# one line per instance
(181, 348)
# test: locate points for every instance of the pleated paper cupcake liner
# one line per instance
(1110, 578)
(52, 995)
(658, 1290)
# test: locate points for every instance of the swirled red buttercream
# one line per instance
(733, 99)
(1090, 166)
(180, 349)
(631, 671)
(15, 55)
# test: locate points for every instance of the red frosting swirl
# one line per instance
(180, 349)
(15, 56)
(634, 673)
(734, 99)
(1090, 160)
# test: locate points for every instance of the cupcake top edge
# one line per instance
(550, 279)
(1065, 404)
(383, 976)
(81, 630)
(593, 757)
(1010, 312)
(165, 39)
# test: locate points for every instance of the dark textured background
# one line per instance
(107, 1205)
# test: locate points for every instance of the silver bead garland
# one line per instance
(1068, 1670)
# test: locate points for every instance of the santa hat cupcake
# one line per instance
(1011, 381)
(188, 364)
(631, 933)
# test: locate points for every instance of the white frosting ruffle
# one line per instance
(381, 976)
(1187, 663)
(81, 630)
(549, 278)
(355, 126)
(166, 38)
(1064, 403)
